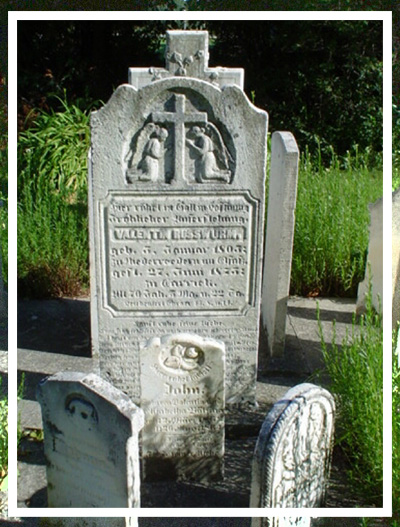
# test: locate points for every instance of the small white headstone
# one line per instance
(90, 441)
(374, 266)
(182, 379)
(293, 453)
(279, 238)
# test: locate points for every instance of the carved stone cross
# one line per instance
(179, 118)
(187, 56)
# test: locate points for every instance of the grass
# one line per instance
(52, 205)
(356, 371)
(331, 232)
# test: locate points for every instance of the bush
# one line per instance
(331, 231)
(52, 204)
(356, 372)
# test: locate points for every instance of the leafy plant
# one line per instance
(356, 371)
(332, 218)
(52, 204)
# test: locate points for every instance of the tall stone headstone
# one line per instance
(280, 522)
(90, 441)
(182, 378)
(293, 453)
(282, 194)
(176, 197)
(374, 266)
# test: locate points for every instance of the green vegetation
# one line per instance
(52, 204)
(332, 218)
(356, 371)
(396, 429)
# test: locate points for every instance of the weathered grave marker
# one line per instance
(293, 452)
(374, 265)
(177, 216)
(280, 522)
(88, 522)
(182, 378)
(279, 239)
(91, 442)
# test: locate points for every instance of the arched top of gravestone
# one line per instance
(77, 389)
(180, 133)
(293, 451)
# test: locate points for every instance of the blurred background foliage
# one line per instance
(322, 80)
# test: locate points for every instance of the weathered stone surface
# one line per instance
(88, 522)
(396, 257)
(280, 522)
(177, 219)
(182, 378)
(187, 56)
(91, 442)
(279, 239)
(293, 453)
(374, 265)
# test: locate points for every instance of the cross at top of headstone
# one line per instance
(187, 56)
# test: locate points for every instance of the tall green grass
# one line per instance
(331, 231)
(52, 204)
(355, 368)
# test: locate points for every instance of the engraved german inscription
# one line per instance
(182, 253)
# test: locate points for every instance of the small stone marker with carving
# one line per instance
(91, 442)
(182, 378)
(176, 194)
(293, 453)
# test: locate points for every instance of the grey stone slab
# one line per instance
(183, 398)
(88, 522)
(282, 194)
(91, 442)
(374, 266)
(293, 453)
(176, 197)
(187, 55)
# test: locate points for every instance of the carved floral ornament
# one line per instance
(293, 452)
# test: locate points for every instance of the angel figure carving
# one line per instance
(145, 163)
(211, 155)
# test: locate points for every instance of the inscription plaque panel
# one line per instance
(163, 251)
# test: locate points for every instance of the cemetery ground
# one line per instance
(54, 335)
